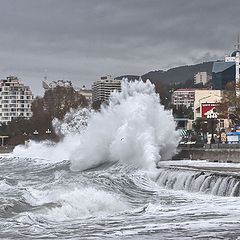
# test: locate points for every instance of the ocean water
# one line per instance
(40, 200)
(105, 180)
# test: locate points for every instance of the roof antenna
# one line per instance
(238, 43)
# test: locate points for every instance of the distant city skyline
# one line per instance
(81, 40)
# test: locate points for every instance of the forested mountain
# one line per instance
(174, 75)
(178, 74)
(179, 77)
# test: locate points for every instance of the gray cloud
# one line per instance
(81, 40)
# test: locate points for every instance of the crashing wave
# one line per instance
(133, 128)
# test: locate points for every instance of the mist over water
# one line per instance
(133, 129)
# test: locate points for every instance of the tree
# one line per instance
(182, 112)
(55, 104)
(58, 101)
(230, 104)
(200, 126)
(203, 126)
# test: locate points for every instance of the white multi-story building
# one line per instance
(201, 77)
(102, 88)
(183, 97)
(15, 100)
(54, 84)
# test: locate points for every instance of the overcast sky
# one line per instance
(81, 40)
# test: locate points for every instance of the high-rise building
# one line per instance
(201, 78)
(102, 88)
(15, 100)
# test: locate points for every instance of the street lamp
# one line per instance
(48, 131)
(212, 116)
(35, 132)
(204, 130)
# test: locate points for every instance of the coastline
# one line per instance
(223, 155)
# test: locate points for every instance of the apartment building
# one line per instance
(201, 77)
(102, 88)
(15, 100)
(183, 97)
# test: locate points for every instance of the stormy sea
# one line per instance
(108, 178)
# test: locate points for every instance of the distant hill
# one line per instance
(175, 75)
(178, 74)
(172, 79)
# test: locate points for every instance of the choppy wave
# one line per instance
(41, 199)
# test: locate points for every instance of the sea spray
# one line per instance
(48, 151)
(69, 129)
(74, 122)
(133, 129)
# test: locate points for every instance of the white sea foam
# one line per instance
(134, 129)
(63, 204)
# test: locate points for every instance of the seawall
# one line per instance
(220, 182)
(6, 149)
(213, 155)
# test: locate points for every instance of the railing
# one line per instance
(209, 146)
(222, 146)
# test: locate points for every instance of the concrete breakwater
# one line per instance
(210, 154)
(223, 182)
